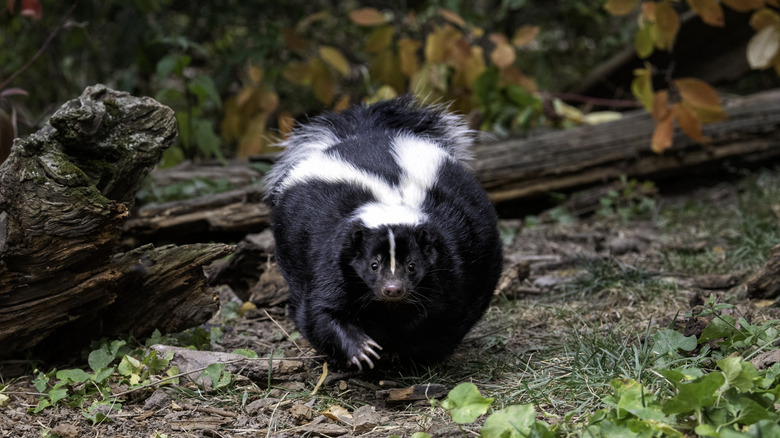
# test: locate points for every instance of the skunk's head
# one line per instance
(392, 260)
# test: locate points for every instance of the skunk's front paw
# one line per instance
(366, 350)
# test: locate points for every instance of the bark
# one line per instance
(65, 193)
(598, 154)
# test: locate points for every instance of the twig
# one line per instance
(40, 51)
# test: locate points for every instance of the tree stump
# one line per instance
(65, 194)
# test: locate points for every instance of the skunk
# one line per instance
(385, 238)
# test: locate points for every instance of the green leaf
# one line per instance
(41, 382)
(100, 359)
(129, 366)
(632, 397)
(56, 395)
(668, 341)
(172, 64)
(213, 372)
(720, 327)
(245, 352)
(511, 422)
(203, 87)
(73, 376)
(739, 374)
(695, 395)
(465, 403)
(643, 41)
(207, 140)
(103, 374)
(486, 86)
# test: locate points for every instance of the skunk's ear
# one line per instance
(353, 241)
(426, 238)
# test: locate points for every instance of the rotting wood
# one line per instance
(65, 193)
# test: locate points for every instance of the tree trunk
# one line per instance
(65, 193)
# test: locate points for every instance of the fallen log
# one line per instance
(590, 155)
(515, 169)
(65, 193)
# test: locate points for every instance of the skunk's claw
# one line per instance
(363, 356)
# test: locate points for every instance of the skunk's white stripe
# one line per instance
(391, 239)
(419, 160)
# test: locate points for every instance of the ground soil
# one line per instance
(537, 307)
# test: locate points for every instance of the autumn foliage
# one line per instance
(689, 101)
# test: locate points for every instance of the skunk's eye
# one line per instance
(374, 266)
(411, 267)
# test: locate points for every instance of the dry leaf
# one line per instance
(379, 39)
(663, 135)
(620, 7)
(710, 11)
(503, 56)
(333, 56)
(367, 17)
(763, 47)
(452, 17)
(689, 123)
(743, 5)
(407, 53)
(668, 22)
(525, 35)
(697, 93)
(763, 18)
(661, 105)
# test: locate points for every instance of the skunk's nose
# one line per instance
(393, 289)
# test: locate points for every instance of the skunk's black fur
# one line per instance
(385, 238)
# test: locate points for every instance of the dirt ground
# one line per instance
(551, 292)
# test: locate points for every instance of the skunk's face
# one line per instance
(392, 261)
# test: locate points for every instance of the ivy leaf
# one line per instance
(669, 341)
(620, 7)
(465, 403)
(695, 395)
(73, 376)
(100, 359)
(512, 422)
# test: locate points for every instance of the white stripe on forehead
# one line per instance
(391, 239)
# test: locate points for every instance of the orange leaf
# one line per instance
(503, 56)
(661, 105)
(333, 56)
(407, 53)
(648, 10)
(743, 5)
(764, 18)
(525, 35)
(689, 123)
(710, 11)
(668, 22)
(452, 17)
(697, 93)
(620, 7)
(498, 38)
(663, 134)
(341, 104)
(255, 74)
(286, 122)
(367, 17)
(379, 39)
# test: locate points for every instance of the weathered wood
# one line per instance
(65, 193)
(597, 154)
(765, 282)
(232, 214)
